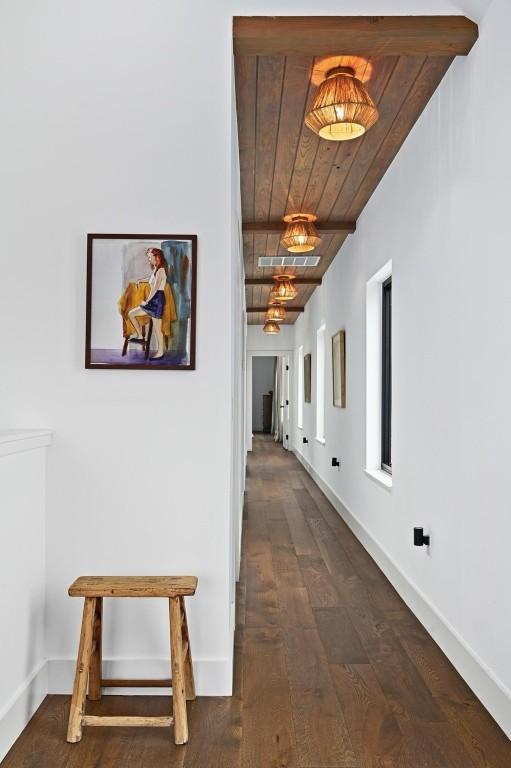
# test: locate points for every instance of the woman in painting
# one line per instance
(155, 302)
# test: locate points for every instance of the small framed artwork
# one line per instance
(307, 378)
(339, 369)
(141, 302)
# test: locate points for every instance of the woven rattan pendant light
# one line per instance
(271, 326)
(276, 311)
(301, 235)
(342, 109)
(284, 288)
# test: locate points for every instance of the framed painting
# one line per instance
(141, 302)
(339, 369)
(307, 377)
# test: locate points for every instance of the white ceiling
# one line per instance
(474, 9)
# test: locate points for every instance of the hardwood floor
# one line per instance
(332, 669)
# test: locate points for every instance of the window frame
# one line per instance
(386, 375)
(299, 400)
(320, 384)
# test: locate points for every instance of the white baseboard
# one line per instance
(479, 677)
(213, 677)
(16, 713)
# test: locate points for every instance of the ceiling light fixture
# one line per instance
(342, 108)
(301, 235)
(271, 327)
(284, 288)
(276, 311)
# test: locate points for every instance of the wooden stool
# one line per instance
(88, 663)
(145, 342)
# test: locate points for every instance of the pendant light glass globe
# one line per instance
(284, 288)
(342, 108)
(301, 235)
(271, 327)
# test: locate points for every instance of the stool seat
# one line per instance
(133, 586)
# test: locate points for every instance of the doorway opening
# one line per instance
(263, 395)
(268, 398)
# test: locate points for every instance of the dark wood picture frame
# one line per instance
(307, 378)
(339, 368)
(190, 366)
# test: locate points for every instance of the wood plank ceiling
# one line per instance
(285, 167)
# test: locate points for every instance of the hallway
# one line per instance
(332, 669)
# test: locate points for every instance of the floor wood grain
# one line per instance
(331, 668)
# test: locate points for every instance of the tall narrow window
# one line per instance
(386, 376)
(320, 384)
(300, 388)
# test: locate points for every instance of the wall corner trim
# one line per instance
(213, 678)
(479, 677)
(15, 715)
(20, 440)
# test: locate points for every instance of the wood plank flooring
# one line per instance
(332, 669)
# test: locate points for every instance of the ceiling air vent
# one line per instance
(298, 260)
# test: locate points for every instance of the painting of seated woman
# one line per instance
(141, 301)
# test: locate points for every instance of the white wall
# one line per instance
(237, 276)
(100, 135)
(441, 214)
(23, 680)
(258, 341)
(263, 380)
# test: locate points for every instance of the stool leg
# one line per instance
(189, 681)
(148, 342)
(178, 678)
(95, 661)
(74, 731)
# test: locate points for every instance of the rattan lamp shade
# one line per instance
(284, 288)
(342, 109)
(301, 235)
(271, 327)
(276, 311)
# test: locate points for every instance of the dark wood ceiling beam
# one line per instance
(265, 309)
(271, 281)
(278, 227)
(353, 35)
